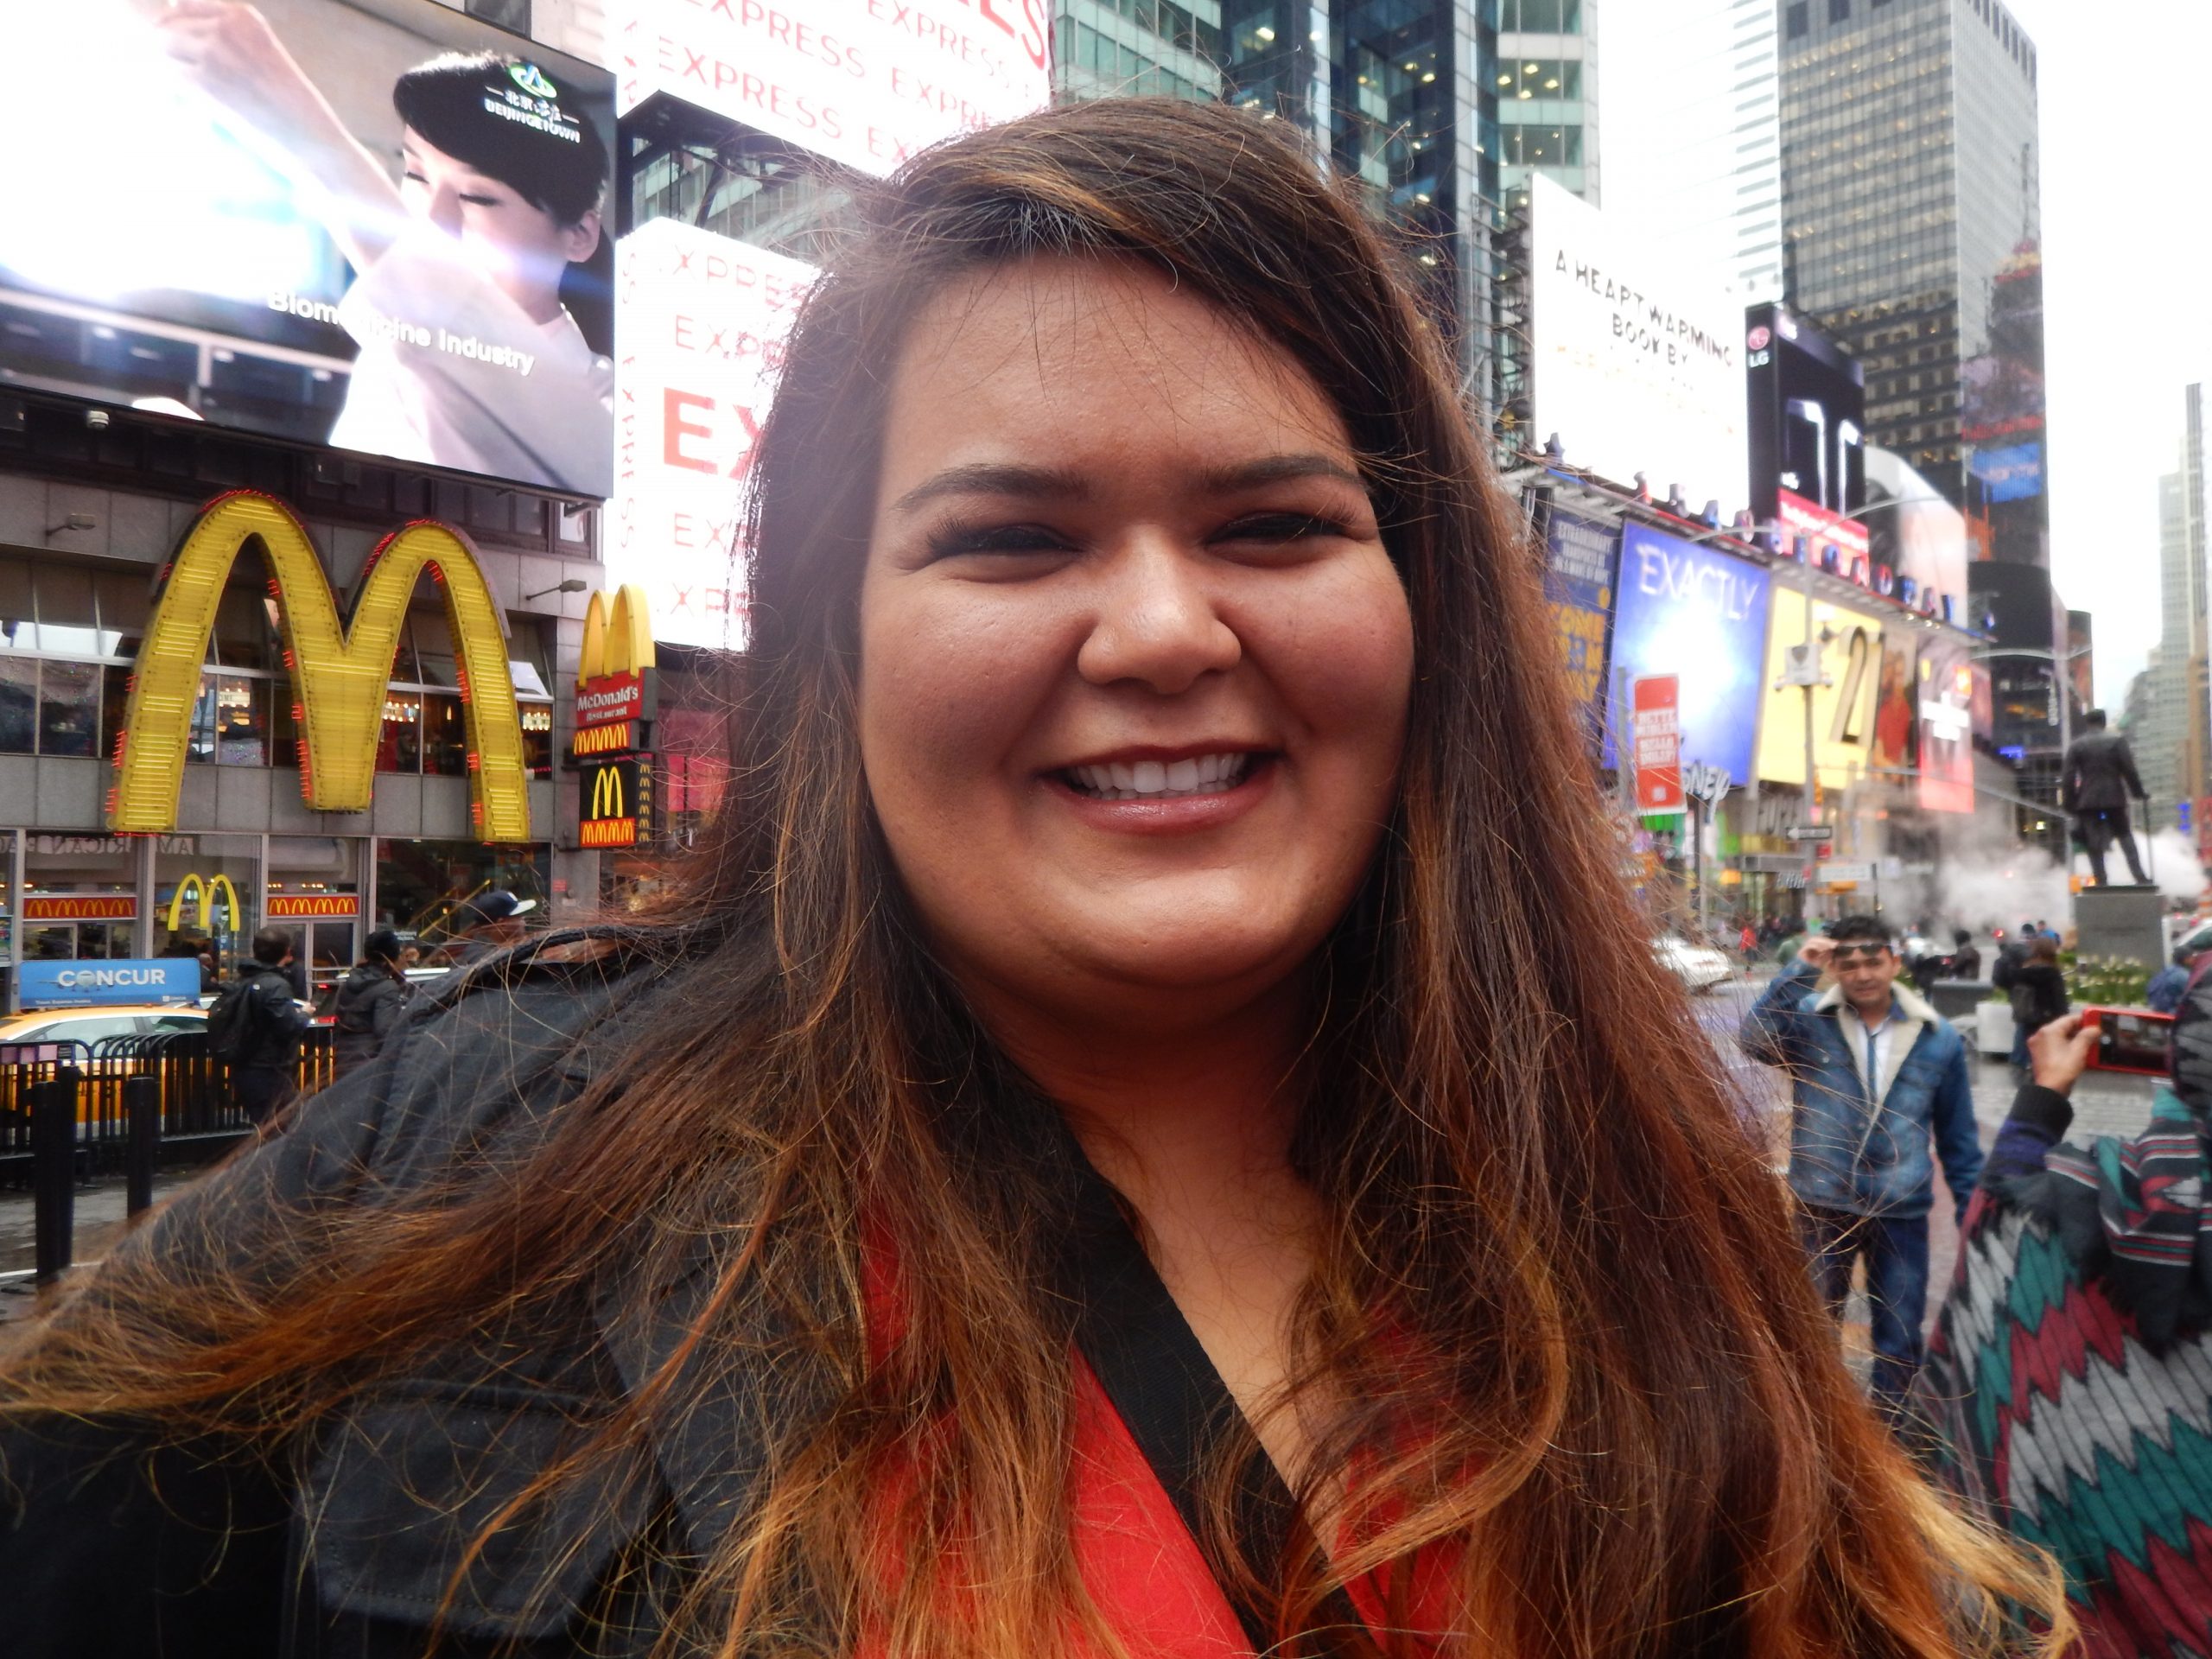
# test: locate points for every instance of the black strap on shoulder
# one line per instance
(1176, 1407)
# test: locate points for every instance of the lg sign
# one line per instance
(864, 82)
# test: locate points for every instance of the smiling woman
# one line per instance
(1133, 1140)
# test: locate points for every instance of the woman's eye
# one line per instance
(951, 541)
(1280, 527)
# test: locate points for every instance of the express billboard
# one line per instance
(704, 323)
(866, 83)
(1700, 614)
(1637, 365)
(374, 225)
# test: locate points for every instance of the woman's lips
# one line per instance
(1166, 809)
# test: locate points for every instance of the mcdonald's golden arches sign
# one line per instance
(212, 891)
(616, 799)
(339, 668)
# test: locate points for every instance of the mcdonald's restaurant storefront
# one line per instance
(224, 731)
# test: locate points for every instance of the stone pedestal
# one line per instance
(2123, 922)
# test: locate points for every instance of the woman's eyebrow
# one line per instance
(1051, 483)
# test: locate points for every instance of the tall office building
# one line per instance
(1693, 138)
(1545, 78)
(1911, 229)
(1103, 49)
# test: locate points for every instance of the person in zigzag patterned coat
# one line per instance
(2068, 1391)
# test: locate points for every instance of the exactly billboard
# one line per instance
(1699, 614)
(704, 323)
(1579, 559)
(867, 84)
(1635, 365)
(377, 228)
(1844, 710)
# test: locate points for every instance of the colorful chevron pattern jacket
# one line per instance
(2056, 1419)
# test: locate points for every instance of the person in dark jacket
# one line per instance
(2099, 777)
(1877, 1078)
(1966, 955)
(2164, 992)
(264, 1079)
(370, 1000)
(1100, 1153)
(2039, 993)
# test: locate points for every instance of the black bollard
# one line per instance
(53, 1173)
(142, 1116)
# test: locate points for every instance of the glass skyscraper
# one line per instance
(1912, 230)
(1545, 77)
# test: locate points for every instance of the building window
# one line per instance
(1839, 11)
(1798, 20)
(508, 14)
(68, 707)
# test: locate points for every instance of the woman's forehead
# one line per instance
(1077, 351)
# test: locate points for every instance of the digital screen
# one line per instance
(1845, 710)
(377, 226)
(867, 84)
(1637, 364)
(2012, 473)
(1700, 614)
(1807, 405)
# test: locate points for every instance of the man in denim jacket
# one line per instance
(1876, 1076)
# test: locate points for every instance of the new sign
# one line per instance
(1658, 740)
(864, 82)
(97, 984)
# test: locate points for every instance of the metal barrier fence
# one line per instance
(72, 1111)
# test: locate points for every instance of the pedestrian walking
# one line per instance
(1877, 1078)
(2097, 779)
(487, 924)
(1965, 961)
(2164, 994)
(1123, 1143)
(2069, 1384)
(2037, 990)
(256, 1024)
(370, 1000)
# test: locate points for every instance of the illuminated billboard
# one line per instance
(377, 228)
(1700, 614)
(1944, 678)
(867, 84)
(1844, 710)
(1923, 537)
(1637, 365)
(1807, 405)
(703, 322)
(1580, 558)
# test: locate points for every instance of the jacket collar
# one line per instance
(1910, 1016)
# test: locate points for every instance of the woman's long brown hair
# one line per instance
(1559, 1287)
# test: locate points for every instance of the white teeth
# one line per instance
(1157, 780)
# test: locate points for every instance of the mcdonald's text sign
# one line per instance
(86, 907)
(293, 906)
(617, 800)
(340, 667)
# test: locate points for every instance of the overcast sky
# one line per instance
(2127, 264)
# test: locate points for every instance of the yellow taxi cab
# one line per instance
(90, 1026)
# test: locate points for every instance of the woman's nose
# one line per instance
(445, 210)
(1156, 622)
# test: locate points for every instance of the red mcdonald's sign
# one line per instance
(292, 906)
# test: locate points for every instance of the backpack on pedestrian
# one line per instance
(234, 1021)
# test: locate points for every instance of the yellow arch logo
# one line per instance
(618, 637)
(607, 794)
(339, 669)
(208, 892)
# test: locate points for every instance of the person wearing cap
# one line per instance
(370, 1000)
(490, 922)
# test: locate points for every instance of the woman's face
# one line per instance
(1134, 662)
(522, 250)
